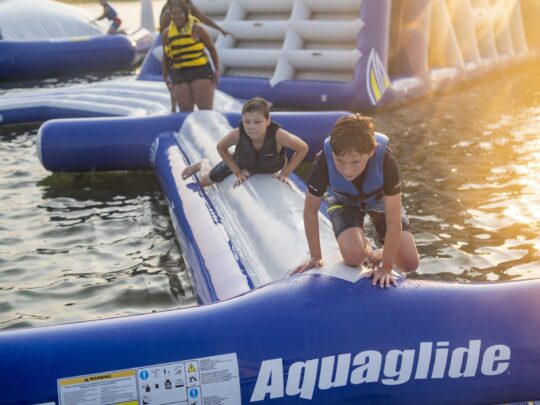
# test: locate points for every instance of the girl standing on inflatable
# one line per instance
(111, 15)
(186, 68)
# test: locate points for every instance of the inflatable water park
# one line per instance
(364, 54)
(260, 335)
(42, 38)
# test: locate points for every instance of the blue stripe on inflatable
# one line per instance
(71, 145)
(24, 59)
(210, 263)
(44, 113)
(124, 143)
(314, 338)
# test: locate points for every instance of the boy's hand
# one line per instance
(281, 176)
(313, 262)
(382, 275)
(241, 177)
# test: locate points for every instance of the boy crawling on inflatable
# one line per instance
(357, 174)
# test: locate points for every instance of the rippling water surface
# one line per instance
(471, 172)
(75, 247)
(81, 246)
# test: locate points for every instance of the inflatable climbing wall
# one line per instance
(363, 54)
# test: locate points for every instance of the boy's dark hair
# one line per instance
(353, 133)
(257, 104)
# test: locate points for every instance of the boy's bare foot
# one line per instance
(192, 169)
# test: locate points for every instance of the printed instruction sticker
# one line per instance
(209, 380)
(119, 387)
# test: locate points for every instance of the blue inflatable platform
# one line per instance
(323, 337)
(42, 38)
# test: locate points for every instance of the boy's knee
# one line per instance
(352, 257)
(410, 264)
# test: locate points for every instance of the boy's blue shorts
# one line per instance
(345, 216)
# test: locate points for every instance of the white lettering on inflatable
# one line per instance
(424, 358)
(398, 367)
(458, 355)
(369, 367)
(269, 381)
(441, 357)
(432, 360)
(496, 360)
(327, 379)
(302, 378)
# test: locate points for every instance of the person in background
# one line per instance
(165, 16)
(259, 148)
(110, 13)
(186, 68)
(357, 174)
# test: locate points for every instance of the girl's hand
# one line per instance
(226, 33)
(241, 177)
(215, 77)
(169, 83)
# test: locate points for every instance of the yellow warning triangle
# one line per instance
(191, 368)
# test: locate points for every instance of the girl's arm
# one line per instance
(204, 19)
(300, 148)
(206, 39)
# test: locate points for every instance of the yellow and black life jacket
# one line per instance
(183, 50)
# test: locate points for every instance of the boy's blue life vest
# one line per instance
(265, 160)
(372, 189)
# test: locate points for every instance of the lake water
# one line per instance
(75, 247)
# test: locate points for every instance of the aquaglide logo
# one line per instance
(431, 360)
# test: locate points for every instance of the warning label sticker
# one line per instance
(211, 380)
(118, 387)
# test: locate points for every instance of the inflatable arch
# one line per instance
(326, 336)
(363, 54)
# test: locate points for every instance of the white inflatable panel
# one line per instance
(43, 19)
(263, 217)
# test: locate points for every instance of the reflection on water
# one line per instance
(471, 172)
(87, 246)
(81, 246)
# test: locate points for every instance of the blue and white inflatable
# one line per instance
(42, 38)
(363, 54)
(323, 337)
